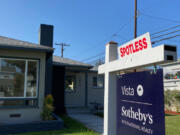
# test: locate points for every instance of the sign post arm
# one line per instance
(110, 92)
(110, 104)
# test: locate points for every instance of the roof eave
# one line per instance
(26, 48)
(70, 65)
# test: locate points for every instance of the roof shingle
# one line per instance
(68, 62)
(10, 43)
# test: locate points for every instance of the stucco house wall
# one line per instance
(76, 98)
(95, 95)
(26, 114)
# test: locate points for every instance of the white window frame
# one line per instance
(25, 78)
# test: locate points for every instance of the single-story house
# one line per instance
(29, 71)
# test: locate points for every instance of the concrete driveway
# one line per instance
(91, 121)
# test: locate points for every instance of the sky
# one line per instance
(87, 25)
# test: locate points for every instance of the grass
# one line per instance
(72, 127)
(172, 124)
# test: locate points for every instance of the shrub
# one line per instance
(172, 99)
(48, 108)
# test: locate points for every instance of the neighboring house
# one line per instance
(172, 75)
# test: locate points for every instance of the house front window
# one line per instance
(98, 81)
(18, 82)
(70, 83)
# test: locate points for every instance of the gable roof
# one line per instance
(9, 43)
(68, 62)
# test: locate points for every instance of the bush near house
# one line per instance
(172, 109)
(172, 100)
(48, 108)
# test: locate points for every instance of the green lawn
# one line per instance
(72, 127)
(173, 125)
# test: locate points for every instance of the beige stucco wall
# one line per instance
(76, 98)
(94, 94)
(27, 114)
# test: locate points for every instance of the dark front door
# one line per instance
(58, 88)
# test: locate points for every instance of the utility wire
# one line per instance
(100, 54)
(102, 59)
(165, 34)
(165, 38)
(95, 58)
(90, 48)
(166, 30)
(160, 18)
(176, 26)
(173, 40)
(113, 35)
(87, 59)
(151, 6)
(122, 27)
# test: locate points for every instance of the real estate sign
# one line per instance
(140, 104)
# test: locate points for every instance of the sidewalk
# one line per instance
(89, 120)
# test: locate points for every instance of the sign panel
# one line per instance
(140, 104)
(137, 45)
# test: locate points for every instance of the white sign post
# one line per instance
(134, 54)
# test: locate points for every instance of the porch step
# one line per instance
(78, 110)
